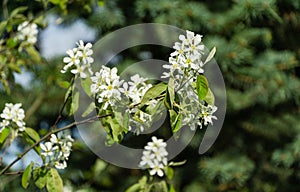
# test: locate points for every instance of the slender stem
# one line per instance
(63, 107)
(92, 119)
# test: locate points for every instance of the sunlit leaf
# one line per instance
(201, 86)
(154, 92)
(54, 181)
(26, 176)
(4, 134)
(40, 177)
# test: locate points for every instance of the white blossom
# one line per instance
(27, 32)
(58, 149)
(155, 157)
(47, 149)
(13, 116)
(79, 59)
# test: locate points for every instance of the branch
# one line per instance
(63, 107)
(92, 119)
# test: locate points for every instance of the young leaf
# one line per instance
(177, 163)
(75, 103)
(4, 134)
(210, 98)
(64, 84)
(210, 55)
(175, 120)
(170, 95)
(32, 134)
(154, 92)
(172, 189)
(26, 176)
(18, 10)
(54, 181)
(170, 172)
(201, 86)
(89, 109)
(134, 188)
(40, 177)
(86, 85)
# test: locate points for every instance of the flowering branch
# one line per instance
(48, 135)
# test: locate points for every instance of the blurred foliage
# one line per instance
(258, 52)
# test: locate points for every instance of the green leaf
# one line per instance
(86, 85)
(26, 176)
(134, 188)
(17, 11)
(177, 163)
(175, 120)
(4, 134)
(210, 55)
(64, 84)
(89, 109)
(2, 26)
(210, 98)
(172, 189)
(40, 177)
(117, 129)
(33, 54)
(154, 92)
(201, 86)
(11, 43)
(32, 134)
(170, 95)
(75, 103)
(54, 181)
(170, 172)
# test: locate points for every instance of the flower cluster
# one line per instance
(155, 157)
(57, 150)
(79, 59)
(27, 32)
(134, 90)
(186, 59)
(109, 90)
(184, 66)
(106, 86)
(207, 114)
(13, 116)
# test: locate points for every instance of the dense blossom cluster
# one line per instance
(109, 90)
(27, 32)
(155, 157)
(185, 65)
(13, 117)
(57, 150)
(79, 59)
(106, 86)
(186, 59)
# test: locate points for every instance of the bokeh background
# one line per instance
(258, 52)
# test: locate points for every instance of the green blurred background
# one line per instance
(258, 52)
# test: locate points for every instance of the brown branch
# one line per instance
(92, 119)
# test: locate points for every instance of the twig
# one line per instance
(62, 108)
(48, 135)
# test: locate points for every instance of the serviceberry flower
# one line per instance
(27, 32)
(207, 114)
(79, 59)
(106, 86)
(57, 150)
(155, 157)
(13, 116)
